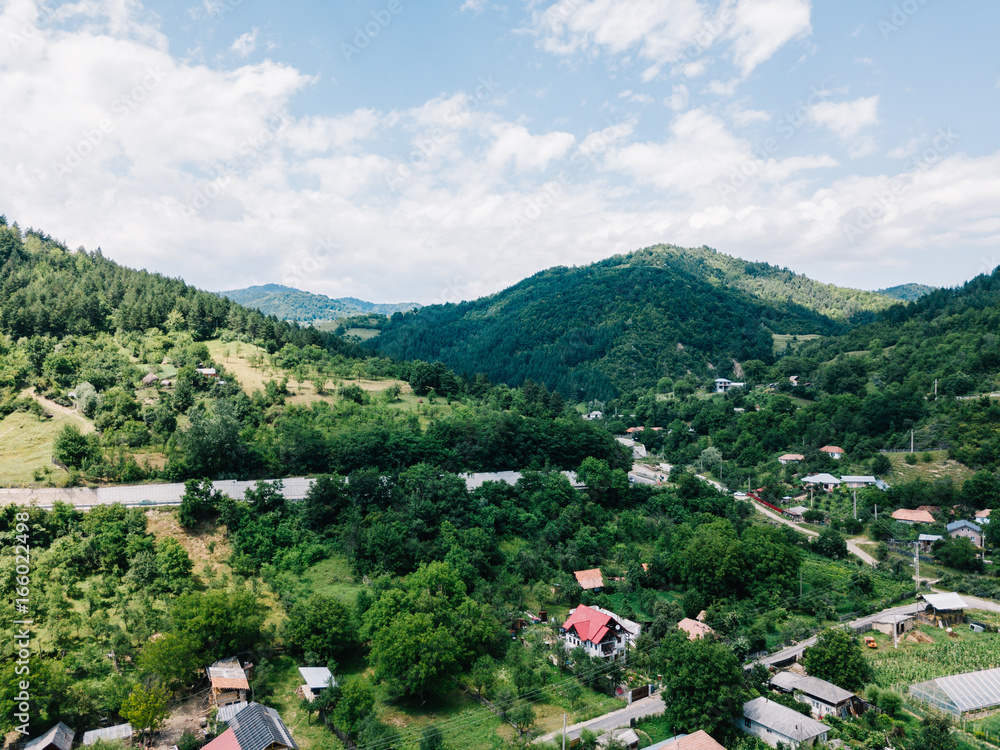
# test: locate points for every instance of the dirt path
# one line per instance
(185, 717)
(853, 545)
(60, 411)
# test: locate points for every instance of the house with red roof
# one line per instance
(833, 451)
(599, 632)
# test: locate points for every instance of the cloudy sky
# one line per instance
(436, 151)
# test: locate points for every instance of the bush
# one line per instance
(188, 741)
(911, 459)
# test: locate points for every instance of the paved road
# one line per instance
(852, 544)
(652, 706)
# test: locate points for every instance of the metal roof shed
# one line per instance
(60, 736)
(117, 733)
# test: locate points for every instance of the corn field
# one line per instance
(914, 663)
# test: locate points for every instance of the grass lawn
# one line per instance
(782, 340)
(941, 467)
(26, 449)
(333, 577)
(363, 333)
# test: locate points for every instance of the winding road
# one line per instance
(853, 545)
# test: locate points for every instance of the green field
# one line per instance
(333, 577)
(961, 651)
(782, 340)
(26, 451)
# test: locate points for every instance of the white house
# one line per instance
(791, 458)
(594, 415)
(599, 632)
(722, 385)
(827, 482)
(824, 698)
(833, 451)
(857, 482)
(774, 723)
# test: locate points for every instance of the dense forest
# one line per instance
(907, 292)
(620, 324)
(286, 303)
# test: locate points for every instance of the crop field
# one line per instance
(965, 651)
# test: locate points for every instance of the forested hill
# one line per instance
(621, 323)
(907, 292)
(46, 290)
(287, 303)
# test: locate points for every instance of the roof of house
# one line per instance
(894, 618)
(590, 624)
(792, 457)
(913, 516)
(258, 727)
(632, 628)
(60, 735)
(832, 449)
(812, 686)
(944, 602)
(225, 713)
(963, 524)
(798, 510)
(589, 579)
(930, 508)
(983, 513)
(317, 678)
(206, 370)
(225, 741)
(823, 478)
(627, 736)
(859, 478)
(117, 732)
(228, 675)
(929, 538)
(694, 629)
(700, 740)
(783, 720)
(151, 377)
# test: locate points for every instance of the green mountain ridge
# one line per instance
(288, 303)
(627, 321)
(908, 292)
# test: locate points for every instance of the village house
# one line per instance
(824, 698)
(966, 530)
(700, 740)
(599, 632)
(627, 737)
(589, 580)
(256, 727)
(151, 379)
(910, 517)
(797, 513)
(722, 385)
(59, 737)
(943, 610)
(791, 458)
(833, 451)
(853, 482)
(594, 415)
(983, 517)
(317, 679)
(825, 482)
(774, 723)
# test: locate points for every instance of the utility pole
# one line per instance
(876, 512)
(800, 582)
(855, 505)
(911, 441)
(935, 387)
(564, 732)
(916, 562)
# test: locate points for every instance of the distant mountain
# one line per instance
(288, 303)
(907, 292)
(625, 322)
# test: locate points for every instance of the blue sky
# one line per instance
(439, 151)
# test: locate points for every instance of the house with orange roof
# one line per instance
(833, 451)
(599, 632)
(790, 458)
(904, 515)
(590, 580)
(695, 628)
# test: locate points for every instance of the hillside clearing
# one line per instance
(26, 451)
(940, 467)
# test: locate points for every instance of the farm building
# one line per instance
(225, 713)
(926, 541)
(774, 723)
(797, 513)
(695, 629)
(59, 737)
(943, 610)
(121, 733)
(791, 458)
(229, 682)
(590, 579)
(910, 517)
(823, 697)
(966, 695)
(894, 622)
(317, 680)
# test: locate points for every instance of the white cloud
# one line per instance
(245, 44)
(846, 119)
(762, 27)
(678, 98)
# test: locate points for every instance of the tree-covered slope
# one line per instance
(287, 303)
(615, 325)
(907, 292)
(627, 321)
